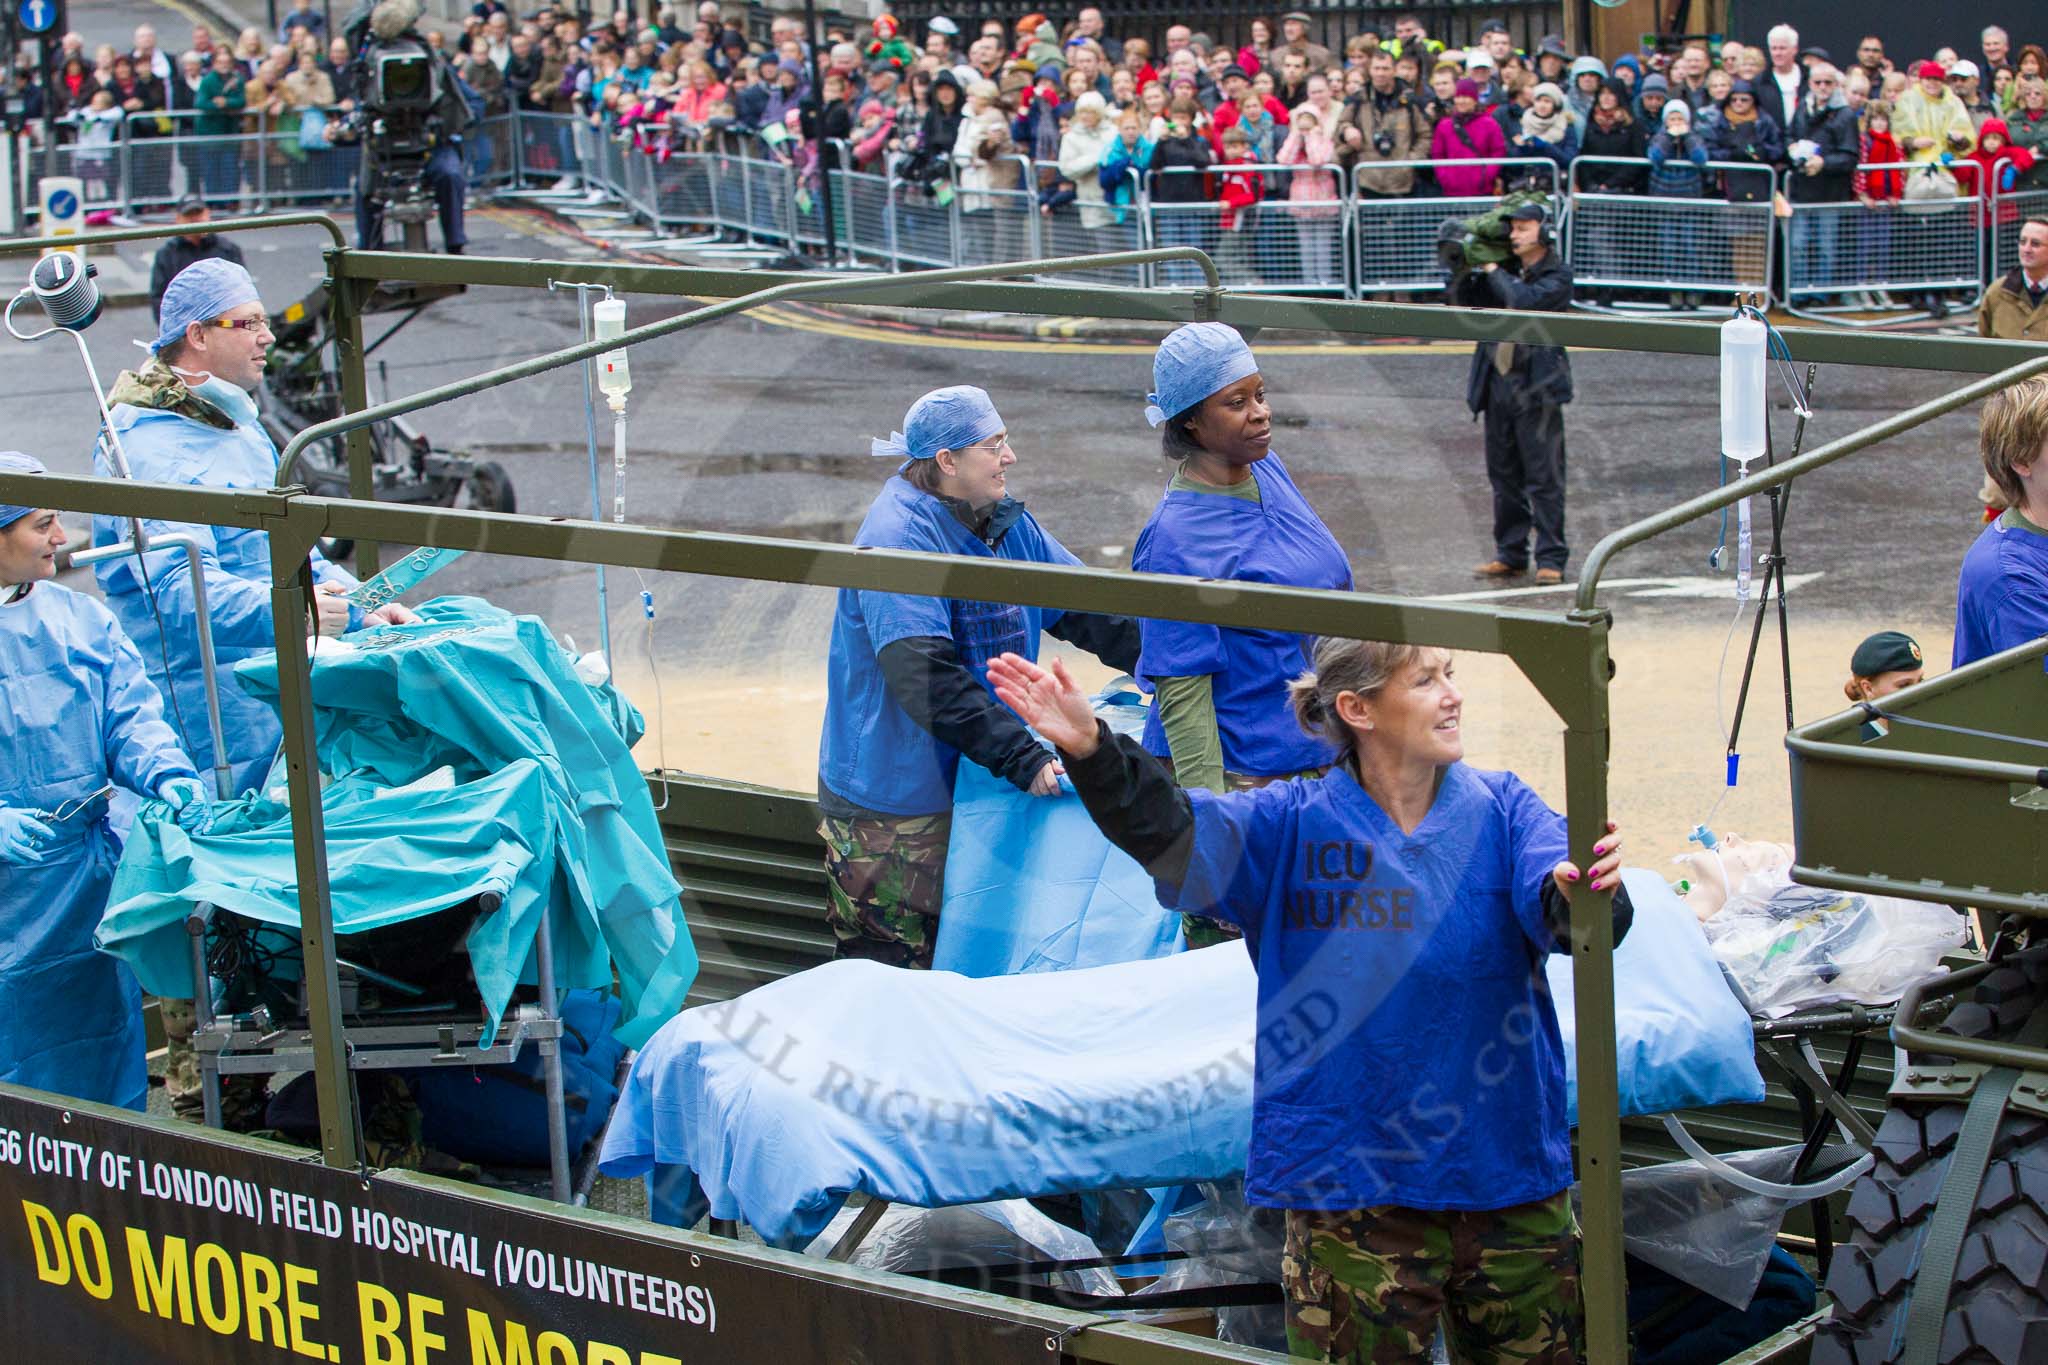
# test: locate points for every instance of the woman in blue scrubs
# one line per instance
(1408, 1094)
(81, 716)
(1230, 511)
(906, 696)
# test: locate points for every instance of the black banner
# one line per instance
(135, 1240)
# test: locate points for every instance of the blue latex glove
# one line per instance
(187, 798)
(22, 837)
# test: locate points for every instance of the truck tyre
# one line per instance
(1998, 1309)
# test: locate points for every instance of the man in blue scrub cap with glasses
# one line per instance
(189, 416)
(907, 691)
(83, 717)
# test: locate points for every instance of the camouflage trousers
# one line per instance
(1199, 931)
(885, 881)
(1368, 1286)
(243, 1099)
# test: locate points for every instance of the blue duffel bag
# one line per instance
(497, 1115)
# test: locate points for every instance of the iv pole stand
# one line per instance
(1774, 572)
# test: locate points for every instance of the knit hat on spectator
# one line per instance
(1888, 651)
(1235, 70)
(1680, 113)
(1654, 84)
(1549, 88)
(1466, 87)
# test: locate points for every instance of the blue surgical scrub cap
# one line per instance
(201, 292)
(14, 462)
(1193, 362)
(944, 419)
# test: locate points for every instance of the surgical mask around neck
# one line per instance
(238, 403)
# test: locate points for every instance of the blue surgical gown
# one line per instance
(1408, 1051)
(871, 752)
(164, 447)
(1280, 540)
(81, 714)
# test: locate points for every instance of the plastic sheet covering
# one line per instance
(931, 1088)
(547, 807)
(1683, 1039)
(1692, 1225)
(1790, 947)
(1227, 1242)
(994, 1236)
(1032, 886)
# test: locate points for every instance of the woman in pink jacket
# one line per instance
(700, 91)
(1313, 193)
(1468, 133)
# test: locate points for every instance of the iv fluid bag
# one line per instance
(614, 378)
(1742, 389)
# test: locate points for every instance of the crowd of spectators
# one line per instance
(1096, 114)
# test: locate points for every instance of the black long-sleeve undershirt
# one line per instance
(928, 681)
(1139, 808)
(1112, 639)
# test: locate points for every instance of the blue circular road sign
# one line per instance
(38, 16)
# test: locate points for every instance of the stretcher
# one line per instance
(933, 1088)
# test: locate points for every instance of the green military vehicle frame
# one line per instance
(1563, 654)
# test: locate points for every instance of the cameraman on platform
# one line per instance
(1522, 390)
(410, 116)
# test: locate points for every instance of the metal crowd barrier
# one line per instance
(1362, 244)
(1089, 227)
(1394, 241)
(1904, 246)
(1701, 245)
(1275, 245)
(998, 221)
(545, 147)
(867, 213)
(2009, 209)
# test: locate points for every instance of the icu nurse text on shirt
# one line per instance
(906, 693)
(1230, 511)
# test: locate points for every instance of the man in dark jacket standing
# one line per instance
(179, 252)
(1821, 146)
(1522, 389)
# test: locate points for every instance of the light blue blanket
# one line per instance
(932, 1088)
(548, 808)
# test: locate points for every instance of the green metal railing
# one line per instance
(1564, 655)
